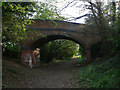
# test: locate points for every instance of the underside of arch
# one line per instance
(41, 41)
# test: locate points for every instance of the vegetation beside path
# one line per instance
(103, 73)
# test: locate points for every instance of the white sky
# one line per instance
(71, 10)
(74, 11)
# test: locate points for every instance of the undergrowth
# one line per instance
(100, 74)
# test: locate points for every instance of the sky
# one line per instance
(74, 9)
(70, 11)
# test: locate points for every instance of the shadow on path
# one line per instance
(58, 75)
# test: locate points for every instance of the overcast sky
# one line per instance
(71, 10)
(74, 9)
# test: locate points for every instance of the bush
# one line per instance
(58, 49)
(11, 50)
(96, 50)
(100, 74)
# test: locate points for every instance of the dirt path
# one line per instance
(58, 75)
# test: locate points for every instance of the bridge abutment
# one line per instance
(28, 58)
(87, 54)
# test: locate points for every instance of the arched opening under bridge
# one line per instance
(61, 30)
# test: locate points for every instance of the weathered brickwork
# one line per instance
(81, 33)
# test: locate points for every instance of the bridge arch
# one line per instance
(41, 41)
(59, 30)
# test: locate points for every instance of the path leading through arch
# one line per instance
(58, 75)
(85, 35)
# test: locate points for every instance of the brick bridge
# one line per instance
(82, 34)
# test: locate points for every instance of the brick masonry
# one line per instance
(81, 33)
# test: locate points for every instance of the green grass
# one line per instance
(78, 56)
(104, 73)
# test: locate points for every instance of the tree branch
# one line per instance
(88, 15)
(67, 5)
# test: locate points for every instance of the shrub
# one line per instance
(101, 74)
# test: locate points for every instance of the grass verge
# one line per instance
(104, 73)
